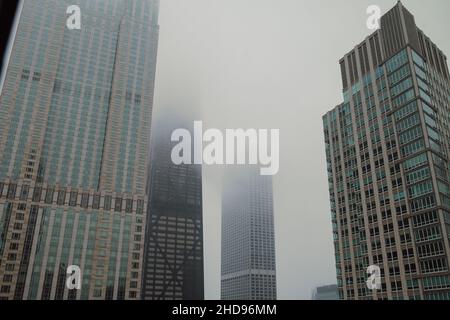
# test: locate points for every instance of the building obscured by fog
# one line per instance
(174, 235)
(248, 240)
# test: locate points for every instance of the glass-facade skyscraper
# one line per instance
(387, 148)
(248, 270)
(173, 256)
(75, 117)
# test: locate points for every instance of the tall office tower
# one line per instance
(173, 258)
(248, 240)
(387, 148)
(75, 115)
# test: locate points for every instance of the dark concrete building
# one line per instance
(173, 267)
(387, 149)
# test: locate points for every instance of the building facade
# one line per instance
(173, 257)
(387, 148)
(75, 116)
(248, 269)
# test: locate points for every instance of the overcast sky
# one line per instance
(272, 64)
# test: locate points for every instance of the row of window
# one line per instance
(427, 234)
(408, 122)
(418, 175)
(72, 198)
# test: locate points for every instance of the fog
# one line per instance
(267, 64)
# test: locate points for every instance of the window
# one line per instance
(96, 202)
(412, 148)
(433, 134)
(430, 121)
(422, 85)
(420, 189)
(427, 109)
(5, 289)
(85, 200)
(408, 122)
(439, 282)
(425, 96)
(118, 205)
(61, 197)
(397, 61)
(402, 86)
(12, 191)
(418, 175)
(24, 192)
(129, 206)
(416, 162)
(433, 265)
(420, 73)
(427, 234)
(73, 198)
(423, 203)
(418, 59)
(410, 135)
(406, 110)
(403, 98)
(49, 196)
(107, 204)
(37, 194)
(399, 75)
(431, 249)
(140, 207)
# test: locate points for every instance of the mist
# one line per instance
(271, 64)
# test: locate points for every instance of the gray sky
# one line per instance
(272, 64)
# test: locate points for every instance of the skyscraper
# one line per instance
(248, 239)
(75, 115)
(173, 257)
(387, 148)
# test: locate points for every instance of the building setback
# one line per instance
(248, 240)
(387, 148)
(75, 117)
(173, 258)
